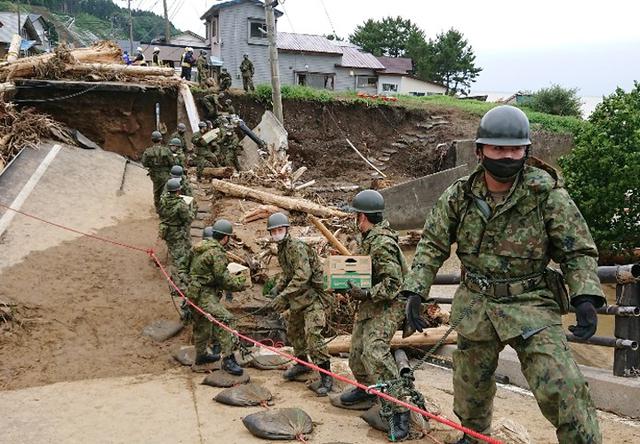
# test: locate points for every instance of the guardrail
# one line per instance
(626, 340)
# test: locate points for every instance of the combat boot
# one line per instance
(296, 370)
(216, 349)
(207, 358)
(230, 365)
(466, 439)
(400, 426)
(355, 396)
(326, 381)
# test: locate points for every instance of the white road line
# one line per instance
(28, 187)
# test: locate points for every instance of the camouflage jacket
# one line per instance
(175, 213)
(300, 283)
(157, 158)
(388, 266)
(197, 140)
(209, 268)
(246, 67)
(535, 223)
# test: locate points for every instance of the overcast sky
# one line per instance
(592, 45)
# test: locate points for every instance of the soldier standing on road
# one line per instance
(175, 227)
(203, 68)
(300, 290)
(209, 278)
(380, 313)
(509, 220)
(224, 80)
(158, 160)
(246, 67)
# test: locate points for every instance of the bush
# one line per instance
(602, 172)
(556, 100)
(295, 92)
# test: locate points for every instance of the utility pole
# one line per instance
(276, 96)
(130, 30)
(167, 24)
(19, 28)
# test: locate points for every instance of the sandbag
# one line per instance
(185, 354)
(244, 395)
(270, 362)
(224, 379)
(279, 424)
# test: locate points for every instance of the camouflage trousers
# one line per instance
(204, 330)
(159, 181)
(205, 161)
(179, 246)
(247, 83)
(305, 332)
(553, 376)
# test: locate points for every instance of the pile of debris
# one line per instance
(99, 62)
(25, 128)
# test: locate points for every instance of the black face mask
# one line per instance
(503, 170)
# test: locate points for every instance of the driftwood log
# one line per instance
(217, 172)
(428, 337)
(113, 68)
(289, 203)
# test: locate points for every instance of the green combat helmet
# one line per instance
(368, 202)
(223, 226)
(202, 125)
(181, 127)
(504, 126)
(174, 185)
(207, 233)
(176, 172)
(175, 142)
(156, 136)
(277, 220)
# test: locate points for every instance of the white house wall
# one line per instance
(409, 85)
(385, 78)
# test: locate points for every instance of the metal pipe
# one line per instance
(250, 134)
(605, 342)
(402, 361)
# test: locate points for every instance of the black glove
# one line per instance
(274, 292)
(357, 293)
(413, 310)
(586, 317)
(228, 296)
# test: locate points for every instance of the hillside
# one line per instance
(81, 22)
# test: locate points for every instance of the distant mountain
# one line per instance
(82, 22)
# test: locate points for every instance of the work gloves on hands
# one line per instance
(279, 304)
(413, 310)
(357, 293)
(586, 317)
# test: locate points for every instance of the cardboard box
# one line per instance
(340, 269)
(211, 135)
(235, 268)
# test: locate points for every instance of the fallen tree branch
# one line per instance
(112, 68)
(430, 336)
(330, 237)
(364, 158)
(218, 172)
(288, 203)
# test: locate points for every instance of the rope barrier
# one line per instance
(250, 340)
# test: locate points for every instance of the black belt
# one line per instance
(503, 288)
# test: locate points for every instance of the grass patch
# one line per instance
(539, 121)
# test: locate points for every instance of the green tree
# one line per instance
(451, 61)
(601, 172)
(387, 37)
(556, 100)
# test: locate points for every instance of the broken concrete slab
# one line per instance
(84, 141)
(272, 132)
(162, 329)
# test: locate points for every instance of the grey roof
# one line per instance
(9, 26)
(396, 65)
(226, 3)
(353, 57)
(288, 41)
(124, 45)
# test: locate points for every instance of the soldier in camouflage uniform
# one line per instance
(229, 144)
(177, 172)
(224, 80)
(300, 289)
(204, 152)
(380, 313)
(209, 278)
(247, 70)
(180, 133)
(509, 220)
(175, 145)
(158, 160)
(175, 226)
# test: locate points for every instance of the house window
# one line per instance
(257, 29)
(367, 82)
(390, 87)
(316, 80)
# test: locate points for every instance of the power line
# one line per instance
(333, 29)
